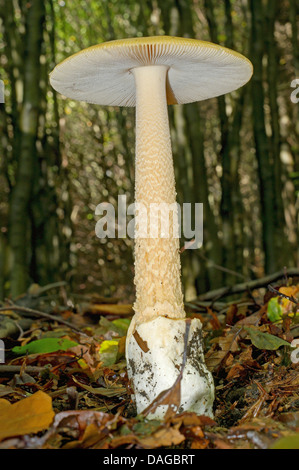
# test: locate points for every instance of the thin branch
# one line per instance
(244, 286)
(15, 369)
(275, 291)
(37, 313)
(211, 264)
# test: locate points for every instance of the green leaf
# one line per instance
(108, 346)
(146, 427)
(122, 324)
(109, 351)
(274, 310)
(288, 442)
(109, 326)
(264, 340)
(46, 345)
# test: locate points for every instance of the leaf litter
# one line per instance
(65, 387)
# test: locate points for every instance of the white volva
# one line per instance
(163, 348)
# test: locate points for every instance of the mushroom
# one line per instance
(150, 73)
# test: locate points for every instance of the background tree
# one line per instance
(59, 159)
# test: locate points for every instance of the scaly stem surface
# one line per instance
(157, 261)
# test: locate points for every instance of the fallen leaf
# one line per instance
(106, 392)
(222, 444)
(112, 350)
(279, 306)
(274, 310)
(122, 346)
(165, 436)
(117, 309)
(87, 360)
(44, 346)
(4, 404)
(29, 415)
(236, 371)
(91, 436)
(119, 326)
(108, 352)
(199, 443)
(264, 340)
(287, 442)
(291, 419)
(231, 314)
(227, 343)
(192, 419)
(214, 321)
(123, 324)
(290, 291)
(81, 426)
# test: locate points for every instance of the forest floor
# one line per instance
(64, 382)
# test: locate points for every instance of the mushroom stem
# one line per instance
(157, 261)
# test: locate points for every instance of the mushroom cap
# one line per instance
(197, 70)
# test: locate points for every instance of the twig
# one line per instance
(11, 369)
(16, 369)
(211, 264)
(275, 291)
(37, 313)
(205, 305)
(255, 284)
(54, 285)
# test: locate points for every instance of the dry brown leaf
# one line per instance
(214, 321)
(111, 309)
(199, 443)
(222, 444)
(228, 343)
(106, 392)
(91, 436)
(191, 419)
(236, 371)
(29, 415)
(85, 351)
(163, 437)
(122, 345)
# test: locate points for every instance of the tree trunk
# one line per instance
(22, 190)
(283, 249)
(229, 157)
(265, 171)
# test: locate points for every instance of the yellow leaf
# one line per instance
(4, 404)
(29, 415)
(290, 291)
